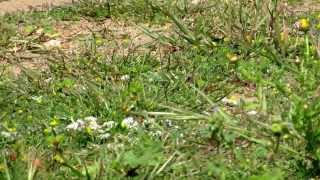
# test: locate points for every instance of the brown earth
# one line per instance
(305, 6)
(70, 39)
(74, 38)
(8, 6)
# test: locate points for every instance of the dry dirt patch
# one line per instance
(71, 38)
(305, 6)
(112, 35)
(8, 6)
(74, 38)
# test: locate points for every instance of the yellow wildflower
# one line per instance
(232, 57)
(47, 130)
(54, 122)
(58, 158)
(89, 130)
(303, 24)
(12, 129)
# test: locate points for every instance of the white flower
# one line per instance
(6, 134)
(77, 125)
(129, 122)
(168, 123)
(125, 77)
(109, 124)
(89, 122)
(115, 147)
(90, 118)
(149, 123)
(252, 113)
(93, 125)
(105, 136)
(157, 133)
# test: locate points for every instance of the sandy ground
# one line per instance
(305, 6)
(8, 6)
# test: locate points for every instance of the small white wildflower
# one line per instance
(101, 131)
(109, 124)
(93, 125)
(73, 126)
(92, 146)
(252, 113)
(168, 123)
(6, 134)
(157, 133)
(90, 118)
(125, 77)
(77, 125)
(149, 123)
(115, 147)
(129, 122)
(105, 136)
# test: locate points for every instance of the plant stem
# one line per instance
(307, 57)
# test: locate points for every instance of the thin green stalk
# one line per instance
(306, 39)
(7, 169)
(307, 57)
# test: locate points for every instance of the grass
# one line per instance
(230, 92)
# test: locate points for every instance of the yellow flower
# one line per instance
(54, 122)
(13, 129)
(58, 158)
(232, 57)
(303, 24)
(99, 42)
(89, 130)
(276, 128)
(47, 130)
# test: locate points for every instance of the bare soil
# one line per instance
(8, 6)
(305, 6)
